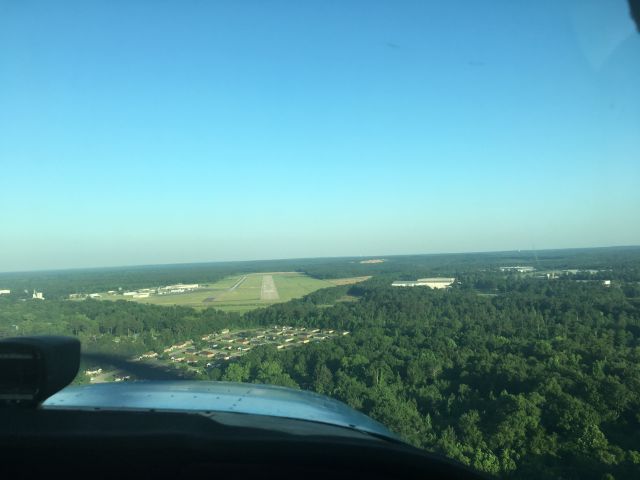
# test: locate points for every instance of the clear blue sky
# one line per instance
(136, 132)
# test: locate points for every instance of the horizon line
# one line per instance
(204, 262)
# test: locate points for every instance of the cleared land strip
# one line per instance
(269, 290)
(238, 293)
(238, 283)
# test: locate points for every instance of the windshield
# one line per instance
(425, 210)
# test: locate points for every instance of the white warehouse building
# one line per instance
(433, 282)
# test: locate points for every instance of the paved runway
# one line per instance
(269, 290)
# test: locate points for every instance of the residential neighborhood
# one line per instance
(217, 348)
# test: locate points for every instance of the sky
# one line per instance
(146, 132)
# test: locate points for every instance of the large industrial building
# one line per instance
(434, 282)
(518, 268)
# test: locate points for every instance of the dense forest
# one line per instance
(539, 379)
(542, 382)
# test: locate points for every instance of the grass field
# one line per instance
(242, 293)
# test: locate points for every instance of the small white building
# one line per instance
(37, 295)
(5, 292)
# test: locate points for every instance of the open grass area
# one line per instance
(297, 285)
(241, 293)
